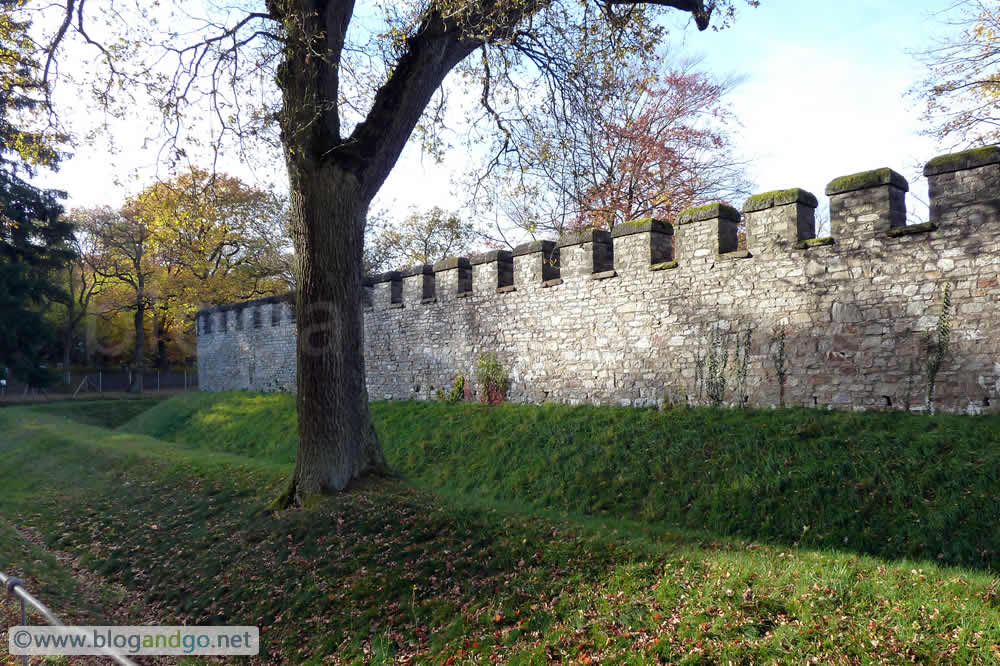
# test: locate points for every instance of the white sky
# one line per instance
(824, 96)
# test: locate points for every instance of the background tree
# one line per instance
(197, 239)
(219, 240)
(638, 139)
(33, 240)
(125, 258)
(961, 93)
(421, 238)
(81, 283)
(351, 99)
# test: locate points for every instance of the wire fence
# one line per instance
(107, 381)
(16, 589)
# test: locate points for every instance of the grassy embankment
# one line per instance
(709, 535)
(888, 484)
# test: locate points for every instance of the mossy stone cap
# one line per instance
(419, 269)
(545, 246)
(389, 276)
(591, 236)
(967, 159)
(646, 224)
(708, 212)
(492, 255)
(766, 200)
(451, 262)
(866, 180)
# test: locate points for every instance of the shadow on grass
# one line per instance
(390, 572)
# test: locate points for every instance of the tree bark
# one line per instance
(337, 441)
(67, 355)
(332, 180)
(140, 347)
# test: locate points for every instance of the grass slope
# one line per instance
(105, 413)
(387, 572)
(253, 424)
(888, 484)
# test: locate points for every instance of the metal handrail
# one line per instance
(15, 588)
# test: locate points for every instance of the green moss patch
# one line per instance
(967, 159)
(737, 254)
(646, 224)
(766, 200)
(708, 212)
(911, 229)
(814, 242)
(664, 266)
(867, 179)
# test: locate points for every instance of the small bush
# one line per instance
(492, 379)
(457, 392)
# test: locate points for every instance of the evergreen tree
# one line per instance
(33, 240)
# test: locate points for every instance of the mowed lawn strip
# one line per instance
(388, 572)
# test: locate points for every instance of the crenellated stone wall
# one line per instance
(622, 318)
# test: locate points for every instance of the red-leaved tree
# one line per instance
(625, 143)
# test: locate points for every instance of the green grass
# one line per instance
(889, 484)
(261, 425)
(105, 413)
(390, 572)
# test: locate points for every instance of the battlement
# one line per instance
(621, 316)
(866, 208)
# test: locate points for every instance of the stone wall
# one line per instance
(248, 345)
(623, 318)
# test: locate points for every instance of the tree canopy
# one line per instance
(421, 238)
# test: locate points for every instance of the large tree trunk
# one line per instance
(333, 179)
(337, 442)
